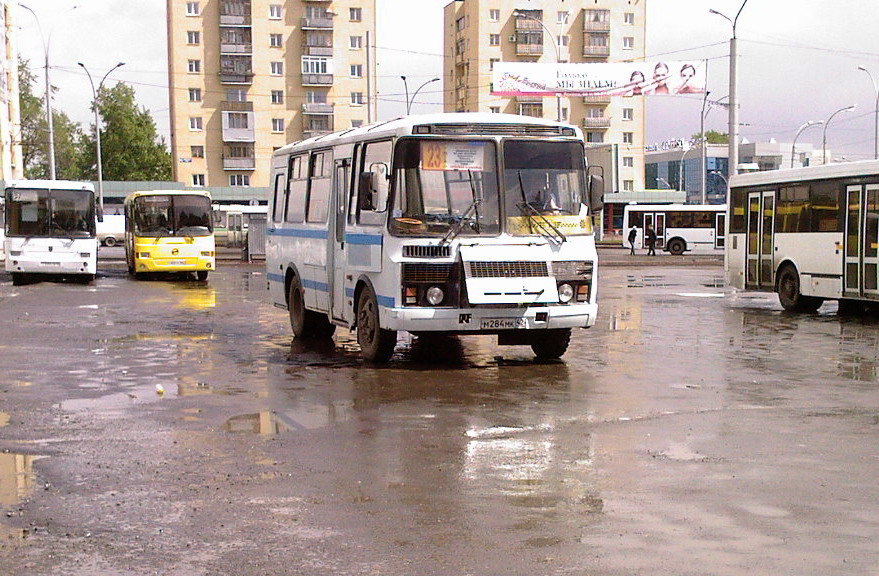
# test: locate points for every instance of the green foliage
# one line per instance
(130, 146)
(714, 137)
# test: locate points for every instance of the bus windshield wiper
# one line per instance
(459, 225)
(537, 220)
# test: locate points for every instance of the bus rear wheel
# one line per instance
(201, 275)
(789, 295)
(677, 246)
(305, 323)
(551, 344)
(376, 343)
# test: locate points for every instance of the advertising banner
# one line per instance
(600, 79)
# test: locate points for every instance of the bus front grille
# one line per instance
(414, 273)
(427, 251)
(521, 269)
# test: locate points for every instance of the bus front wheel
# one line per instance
(677, 246)
(789, 292)
(201, 275)
(376, 343)
(551, 344)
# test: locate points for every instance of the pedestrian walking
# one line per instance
(633, 235)
(650, 236)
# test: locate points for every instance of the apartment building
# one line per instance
(480, 33)
(11, 163)
(249, 76)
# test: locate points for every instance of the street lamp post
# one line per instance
(681, 186)
(876, 113)
(98, 128)
(406, 88)
(558, 55)
(414, 94)
(705, 111)
(733, 91)
(826, 124)
(49, 120)
(793, 150)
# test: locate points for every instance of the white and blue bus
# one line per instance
(449, 223)
(679, 227)
(50, 230)
(809, 234)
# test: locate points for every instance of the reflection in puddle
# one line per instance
(4, 419)
(269, 423)
(16, 483)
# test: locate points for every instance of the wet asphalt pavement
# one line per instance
(692, 431)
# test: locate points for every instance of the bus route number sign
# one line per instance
(452, 156)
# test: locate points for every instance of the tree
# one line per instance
(130, 146)
(713, 137)
(34, 135)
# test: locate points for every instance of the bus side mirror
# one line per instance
(596, 193)
(366, 191)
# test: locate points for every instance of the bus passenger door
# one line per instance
(720, 230)
(862, 241)
(337, 257)
(660, 229)
(761, 223)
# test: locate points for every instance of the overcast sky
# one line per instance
(798, 61)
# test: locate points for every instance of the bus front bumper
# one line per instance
(174, 264)
(488, 320)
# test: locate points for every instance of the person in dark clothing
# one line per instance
(650, 236)
(633, 235)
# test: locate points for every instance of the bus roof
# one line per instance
(843, 170)
(139, 193)
(51, 185)
(675, 207)
(452, 123)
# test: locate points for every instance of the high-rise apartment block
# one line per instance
(249, 76)
(11, 164)
(480, 33)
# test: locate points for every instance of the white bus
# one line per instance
(809, 234)
(231, 222)
(446, 223)
(679, 227)
(50, 229)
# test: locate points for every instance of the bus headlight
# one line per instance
(144, 254)
(435, 295)
(566, 293)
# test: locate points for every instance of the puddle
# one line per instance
(268, 423)
(17, 481)
(4, 419)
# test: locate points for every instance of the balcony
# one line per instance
(235, 20)
(239, 127)
(529, 99)
(599, 123)
(596, 51)
(235, 13)
(236, 69)
(317, 108)
(529, 49)
(236, 106)
(597, 99)
(316, 23)
(239, 163)
(317, 51)
(317, 79)
(236, 48)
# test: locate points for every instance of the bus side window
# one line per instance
(297, 189)
(373, 182)
(278, 202)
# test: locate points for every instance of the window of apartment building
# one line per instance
(277, 68)
(277, 125)
(192, 8)
(564, 40)
(194, 66)
(198, 179)
(628, 137)
(355, 14)
(193, 37)
(195, 123)
(494, 109)
(595, 137)
(597, 39)
(597, 16)
(239, 179)
(494, 39)
(461, 46)
(629, 18)
(460, 24)
(628, 185)
(562, 17)
(494, 15)
(356, 70)
(564, 114)
(196, 151)
(356, 123)
(315, 97)
(315, 65)
(277, 96)
(628, 162)
(318, 123)
(356, 42)
(238, 120)
(236, 95)
(628, 43)
(492, 62)
(628, 113)
(533, 109)
(276, 40)
(275, 11)
(357, 98)
(195, 94)
(593, 112)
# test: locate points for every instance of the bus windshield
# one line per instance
(445, 187)
(172, 215)
(545, 178)
(51, 213)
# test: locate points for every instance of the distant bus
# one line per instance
(50, 230)
(169, 231)
(679, 227)
(809, 234)
(111, 230)
(445, 223)
(230, 223)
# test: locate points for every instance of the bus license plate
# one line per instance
(502, 323)
(175, 263)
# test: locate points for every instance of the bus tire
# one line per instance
(201, 275)
(306, 323)
(109, 241)
(19, 278)
(376, 343)
(788, 288)
(551, 344)
(676, 246)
